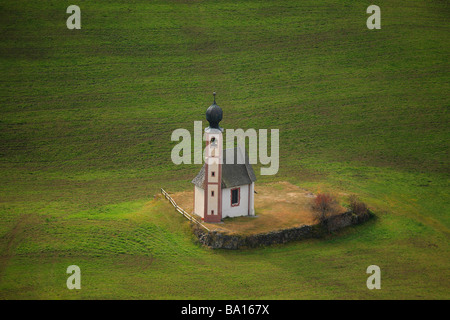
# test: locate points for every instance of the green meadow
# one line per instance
(85, 144)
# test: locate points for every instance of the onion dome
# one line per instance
(214, 114)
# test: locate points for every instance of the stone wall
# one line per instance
(216, 240)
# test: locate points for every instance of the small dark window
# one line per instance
(212, 211)
(212, 193)
(213, 173)
(235, 197)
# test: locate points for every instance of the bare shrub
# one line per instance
(324, 205)
(357, 206)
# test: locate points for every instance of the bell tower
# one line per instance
(213, 164)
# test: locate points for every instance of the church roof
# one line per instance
(233, 175)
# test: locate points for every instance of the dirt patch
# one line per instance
(278, 206)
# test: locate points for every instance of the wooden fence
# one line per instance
(180, 210)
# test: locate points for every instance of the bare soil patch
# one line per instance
(279, 205)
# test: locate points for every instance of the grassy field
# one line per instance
(87, 115)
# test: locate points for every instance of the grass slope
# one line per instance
(86, 119)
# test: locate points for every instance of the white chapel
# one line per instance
(225, 185)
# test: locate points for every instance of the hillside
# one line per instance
(87, 115)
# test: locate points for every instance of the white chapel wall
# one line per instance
(241, 210)
(199, 203)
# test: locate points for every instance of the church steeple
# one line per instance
(213, 165)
